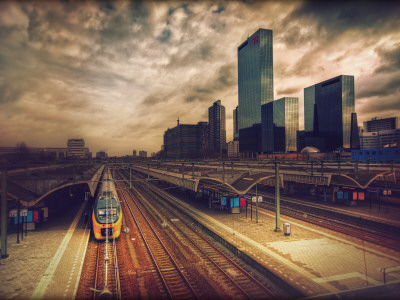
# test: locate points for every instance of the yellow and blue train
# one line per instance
(107, 213)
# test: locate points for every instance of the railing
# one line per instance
(389, 270)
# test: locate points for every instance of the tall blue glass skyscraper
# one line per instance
(329, 113)
(255, 77)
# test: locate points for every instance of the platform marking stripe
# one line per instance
(48, 274)
(347, 276)
(85, 238)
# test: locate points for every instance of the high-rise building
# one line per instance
(217, 128)
(376, 124)
(280, 123)
(330, 121)
(186, 141)
(236, 124)
(255, 77)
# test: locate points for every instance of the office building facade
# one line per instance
(233, 149)
(186, 141)
(380, 139)
(250, 141)
(76, 149)
(329, 114)
(217, 128)
(376, 124)
(280, 123)
(255, 83)
(255, 76)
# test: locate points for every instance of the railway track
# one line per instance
(234, 279)
(173, 277)
(100, 275)
(107, 280)
(223, 266)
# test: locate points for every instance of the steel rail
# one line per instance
(219, 252)
(156, 264)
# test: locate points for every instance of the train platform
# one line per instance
(47, 263)
(316, 261)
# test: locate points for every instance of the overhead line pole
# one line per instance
(277, 200)
(4, 214)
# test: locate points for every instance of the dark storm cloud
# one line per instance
(220, 9)
(154, 99)
(380, 107)
(380, 88)
(391, 59)
(165, 36)
(200, 53)
(223, 79)
(340, 16)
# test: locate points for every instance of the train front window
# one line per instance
(107, 213)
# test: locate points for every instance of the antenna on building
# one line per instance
(178, 121)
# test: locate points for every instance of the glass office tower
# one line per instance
(255, 77)
(309, 94)
(280, 123)
(328, 109)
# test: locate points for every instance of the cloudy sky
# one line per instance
(118, 74)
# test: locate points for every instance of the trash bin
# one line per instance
(286, 229)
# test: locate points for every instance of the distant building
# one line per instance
(380, 139)
(376, 124)
(280, 123)
(45, 152)
(186, 141)
(330, 120)
(143, 154)
(236, 124)
(233, 149)
(217, 128)
(101, 155)
(76, 149)
(134, 153)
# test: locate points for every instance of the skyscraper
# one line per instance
(217, 128)
(255, 87)
(280, 123)
(255, 77)
(329, 114)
